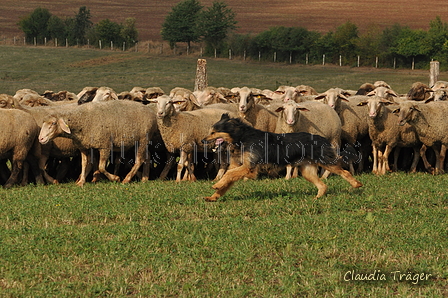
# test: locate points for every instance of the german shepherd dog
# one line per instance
(252, 148)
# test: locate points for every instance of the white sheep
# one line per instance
(184, 131)
(386, 135)
(333, 97)
(429, 120)
(93, 94)
(312, 117)
(105, 126)
(257, 115)
(17, 140)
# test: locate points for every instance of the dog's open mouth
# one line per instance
(218, 143)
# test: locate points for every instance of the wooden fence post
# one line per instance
(201, 75)
(434, 72)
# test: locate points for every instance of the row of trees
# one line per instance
(190, 22)
(395, 46)
(77, 30)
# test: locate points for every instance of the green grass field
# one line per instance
(265, 238)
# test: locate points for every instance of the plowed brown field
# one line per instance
(253, 16)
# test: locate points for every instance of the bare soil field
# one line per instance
(253, 16)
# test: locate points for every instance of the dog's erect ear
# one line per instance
(225, 116)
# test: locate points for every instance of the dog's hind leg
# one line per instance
(309, 172)
(336, 169)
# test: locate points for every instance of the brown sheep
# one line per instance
(419, 92)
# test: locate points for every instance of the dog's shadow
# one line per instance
(297, 194)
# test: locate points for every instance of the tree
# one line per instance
(215, 24)
(129, 31)
(79, 26)
(181, 24)
(346, 38)
(56, 28)
(36, 25)
(109, 31)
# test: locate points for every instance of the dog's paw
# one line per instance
(210, 199)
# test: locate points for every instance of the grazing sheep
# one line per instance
(440, 85)
(59, 96)
(365, 88)
(429, 120)
(153, 92)
(419, 92)
(383, 92)
(104, 126)
(257, 115)
(308, 117)
(209, 95)
(355, 129)
(185, 99)
(386, 135)
(381, 84)
(17, 140)
(22, 92)
(183, 132)
(94, 95)
(59, 148)
(439, 95)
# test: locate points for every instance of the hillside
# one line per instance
(253, 16)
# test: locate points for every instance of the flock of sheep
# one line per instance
(143, 133)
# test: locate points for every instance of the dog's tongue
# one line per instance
(219, 141)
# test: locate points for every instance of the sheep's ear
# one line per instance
(343, 97)
(279, 109)
(391, 92)
(302, 109)
(225, 116)
(320, 96)
(362, 103)
(64, 126)
(396, 111)
(386, 102)
(431, 98)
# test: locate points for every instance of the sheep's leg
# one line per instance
(168, 165)
(85, 159)
(441, 159)
(375, 159)
(396, 156)
(16, 167)
(414, 164)
(180, 165)
(309, 172)
(426, 163)
(139, 159)
(25, 172)
(42, 166)
(190, 167)
(146, 170)
(104, 156)
(385, 157)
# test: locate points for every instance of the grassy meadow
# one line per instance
(264, 238)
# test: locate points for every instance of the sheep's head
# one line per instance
(419, 92)
(438, 95)
(382, 92)
(333, 97)
(105, 94)
(51, 128)
(290, 112)
(7, 101)
(166, 106)
(407, 112)
(375, 104)
(246, 99)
